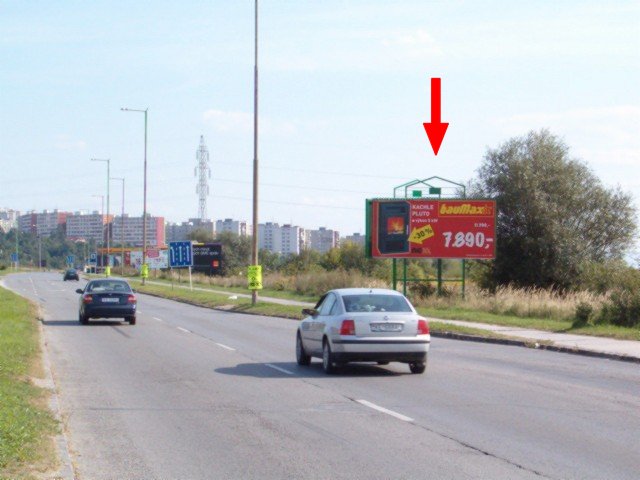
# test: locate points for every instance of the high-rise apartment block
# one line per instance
(356, 238)
(42, 224)
(180, 232)
(323, 239)
(8, 219)
(238, 227)
(133, 231)
(88, 226)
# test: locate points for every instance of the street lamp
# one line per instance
(108, 161)
(144, 204)
(121, 226)
(254, 240)
(101, 197)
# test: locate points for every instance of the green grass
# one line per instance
(26, 425)
(214, 300)
(546, 324)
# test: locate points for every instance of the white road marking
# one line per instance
(158, 319)
(224, 346)
(184, 329)
(279, 369)
(33, 285)
(385, 410)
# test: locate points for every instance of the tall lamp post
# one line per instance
(254, 242)
(121, 227)
(108, 161)
(101, 197)
(144, 205)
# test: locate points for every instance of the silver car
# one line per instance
(360, 325)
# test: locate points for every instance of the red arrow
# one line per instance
(436, 129)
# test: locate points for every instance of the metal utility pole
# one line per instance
(39, 252)
(144, 207)
(254, 243)
(17, 257)
(108, 188)
(121, 227)
(101, 197)
(203, 172)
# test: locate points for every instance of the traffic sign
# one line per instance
(14, 257)
(70, 259)
(180, 254)
(254, 277)
(93, 258)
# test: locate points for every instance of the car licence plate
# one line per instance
(386, 327)
(110, 300)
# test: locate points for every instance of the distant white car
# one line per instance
(362, 324)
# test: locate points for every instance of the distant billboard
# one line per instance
(427, 228)
(207, 258)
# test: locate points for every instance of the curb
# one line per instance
(535, 345)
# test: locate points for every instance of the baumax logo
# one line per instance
(464, 209)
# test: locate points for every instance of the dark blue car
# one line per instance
(107, 298)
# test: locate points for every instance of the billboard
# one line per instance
(156, 258)
(207, 258)
(426, 228)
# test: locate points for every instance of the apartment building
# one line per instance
(42, 224)
(132, 227)
(239, 227)
(323, 239)
(356, 238)
(88, 226)
(8, 219)
(180, 232)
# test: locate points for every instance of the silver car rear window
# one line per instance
(375, 303)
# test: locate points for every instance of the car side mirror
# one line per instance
(79, 290)
(312, 312)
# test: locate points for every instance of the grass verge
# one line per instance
(550, 325)
(26, 424)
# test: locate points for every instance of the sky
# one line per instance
(344, 90)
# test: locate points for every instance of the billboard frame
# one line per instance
(435, 189)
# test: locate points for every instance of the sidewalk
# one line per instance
(628, 350)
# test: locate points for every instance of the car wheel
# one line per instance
(131, 320)
(301, 356)
(328, 364)
(82, 319)
(417, 367)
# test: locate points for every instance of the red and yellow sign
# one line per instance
(423, 228)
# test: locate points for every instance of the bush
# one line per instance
(623, 309)
(584, 313)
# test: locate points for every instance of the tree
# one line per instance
(554, 214)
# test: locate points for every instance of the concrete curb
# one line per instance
(535, 345)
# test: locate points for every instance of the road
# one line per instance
(191, 393)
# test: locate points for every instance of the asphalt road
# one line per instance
(191, 393)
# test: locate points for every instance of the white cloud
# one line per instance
(242, 122)
(604, 136)
(413, 43)
(66, 143)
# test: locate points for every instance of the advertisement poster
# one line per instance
(156, 258)
(207, 258)
(423, 228)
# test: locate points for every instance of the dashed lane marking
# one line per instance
(397, 415)
(278, 368)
